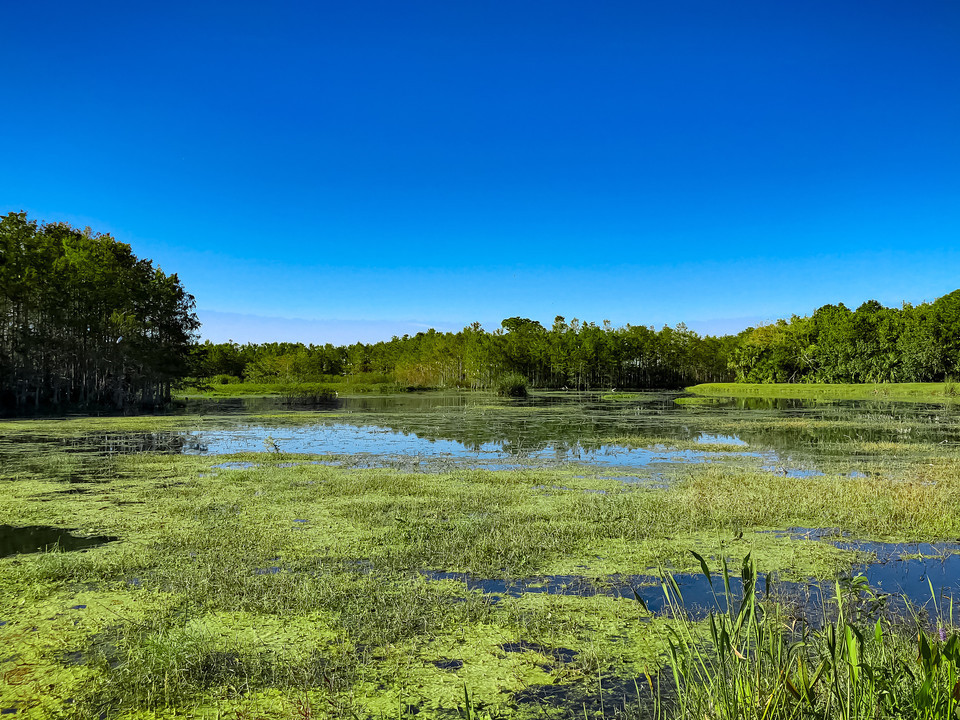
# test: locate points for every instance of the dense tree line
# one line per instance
(871, 344)
(573, 355)
(83, 321)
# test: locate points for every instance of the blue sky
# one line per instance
(349, 171)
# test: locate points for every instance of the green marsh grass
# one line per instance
(748, 661)
(275, 591)
(900, 392)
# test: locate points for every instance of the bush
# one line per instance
(225, 380)
(512, 385)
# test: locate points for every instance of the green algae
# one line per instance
(675, 444)
(268, 590)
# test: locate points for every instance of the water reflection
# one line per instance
(432, 431)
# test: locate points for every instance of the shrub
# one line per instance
(225, 379)
(512, 385)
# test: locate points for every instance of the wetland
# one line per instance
(458, 554)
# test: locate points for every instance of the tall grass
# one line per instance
(752, 663)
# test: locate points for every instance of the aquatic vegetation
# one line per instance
(272, 583)
(512, 385)
(855, 663)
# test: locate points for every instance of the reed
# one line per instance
(754, 664)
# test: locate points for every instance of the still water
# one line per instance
(639, 439)
(437, 431)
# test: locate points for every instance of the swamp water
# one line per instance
(499, 544)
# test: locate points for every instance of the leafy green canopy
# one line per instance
(834, 345)
(572, 355)
(84, 321)
(870, 344)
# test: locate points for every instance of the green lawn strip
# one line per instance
(907, 392)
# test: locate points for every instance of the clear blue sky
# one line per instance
(379, 167)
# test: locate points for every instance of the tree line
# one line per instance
(575, 355)
(84, 322)
(835, 344)
(872, 344)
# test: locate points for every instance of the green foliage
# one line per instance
(85, 322)
(872, 344)
(571, 356)
(512, 385)
(225, 379)
(755, 665)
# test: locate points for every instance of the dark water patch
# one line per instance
(550, 584)
(844, 540)
(129, 443)
(448, 664)
(930, 582)
(903, 570)
(273, 570)
(74, 657)
(561, 654)
(698, 595)
(613, 696)
(898, 581)
(247, 405)
(78, 607)
(37, 538)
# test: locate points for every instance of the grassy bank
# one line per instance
(359, 385)
(906, 392)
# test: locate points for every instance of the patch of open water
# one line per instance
(902, 575)
(379, 446)
(435, 432)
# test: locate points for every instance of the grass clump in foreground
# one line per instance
(903, 392)
(856, 666)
